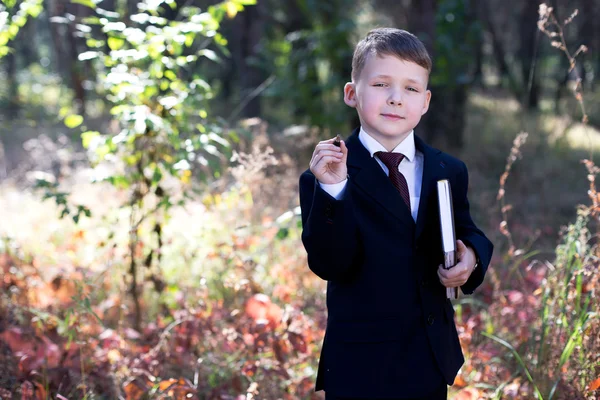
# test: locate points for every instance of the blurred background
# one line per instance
(149, 160)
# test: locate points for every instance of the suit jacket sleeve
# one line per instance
(469, 233)
(329, 231)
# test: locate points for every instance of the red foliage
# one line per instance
(206, 352)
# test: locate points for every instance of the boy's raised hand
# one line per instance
(328, 163)
(460, 273)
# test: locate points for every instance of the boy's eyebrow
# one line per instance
(382, 76)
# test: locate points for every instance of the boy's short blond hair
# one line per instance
(390, 41)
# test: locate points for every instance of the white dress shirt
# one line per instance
(411, 167)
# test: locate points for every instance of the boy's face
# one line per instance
(390, 96)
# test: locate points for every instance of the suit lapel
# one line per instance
(366, 173)
(432, 172)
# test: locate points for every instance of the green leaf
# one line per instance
(211, 55)
(87, 3)
(91, 20)
(170, 75)
(35, 9)
(115, 43)
(88, 55)
(19, 20)
(73, 121)
(13, 30)
(87, 137)
(4, 37)
(107, 14)
(93, 43)
(283, 233)
(4, 51)
(10, 3)
(156, 176)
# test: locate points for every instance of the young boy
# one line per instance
(371, 229)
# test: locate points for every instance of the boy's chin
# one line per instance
(394, 135)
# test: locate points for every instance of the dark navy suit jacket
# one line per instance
(390, 329)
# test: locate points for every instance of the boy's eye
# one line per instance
(379, 84)
(412, 89)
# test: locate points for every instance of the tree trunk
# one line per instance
(561, 83)
(498, 50)
(75, 71)
(529, 35)
(478, 69)
(66, 50)
(422, 22)
(252, 76)
(589, 36)
(13, 84)
(444, 123)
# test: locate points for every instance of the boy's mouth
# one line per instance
(392, 116)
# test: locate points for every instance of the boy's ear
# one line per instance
(350, 94)
(427, 100)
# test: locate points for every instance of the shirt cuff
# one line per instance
(335, 190)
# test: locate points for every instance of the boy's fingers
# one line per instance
(460, 247)
(344, 149)
(458, 271)
(455, 282)
(321, 150)
(327, 146)
(329, 153)
(322, 161)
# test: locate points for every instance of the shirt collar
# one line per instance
(406, 147)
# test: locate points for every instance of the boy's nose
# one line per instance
(395, 99)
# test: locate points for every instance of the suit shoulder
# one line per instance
(452, 162)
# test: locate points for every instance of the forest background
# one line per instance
(149, 158)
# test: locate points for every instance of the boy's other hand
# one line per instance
(328, 162)
(460, 273)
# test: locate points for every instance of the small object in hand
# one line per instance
(338, 140)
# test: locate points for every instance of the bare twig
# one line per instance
(549, 25)
(515, 153)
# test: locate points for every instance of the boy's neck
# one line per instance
(389, 143)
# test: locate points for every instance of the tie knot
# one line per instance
(391, 160)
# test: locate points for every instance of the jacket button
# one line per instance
(430, 319)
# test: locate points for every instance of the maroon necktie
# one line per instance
(392, 160)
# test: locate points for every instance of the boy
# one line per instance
(371, 229)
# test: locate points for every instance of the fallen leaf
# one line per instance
(164, 385)
(468, 394)
(595, 385)
(459, 382)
